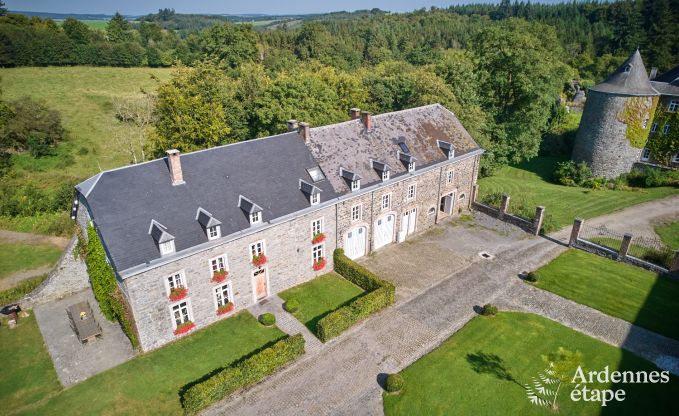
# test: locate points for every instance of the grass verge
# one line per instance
(18, 257)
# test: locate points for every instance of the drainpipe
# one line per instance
(438, 199)
(372, 207)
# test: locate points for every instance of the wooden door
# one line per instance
(260, 284)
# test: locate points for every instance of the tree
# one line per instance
(229, 44)
(76, 30)
(118, 29)
(3, 9)
(139, 114)
(32, 126)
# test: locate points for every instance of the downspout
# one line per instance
(372, 207)
(438, 198)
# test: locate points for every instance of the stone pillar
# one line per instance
(575, 231)
(624, 247)
(504, 205)
(674, 267)
(475, 193)
(539, 218)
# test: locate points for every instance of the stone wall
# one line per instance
(288, 251)
(602, 140)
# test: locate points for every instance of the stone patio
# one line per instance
(74, 361)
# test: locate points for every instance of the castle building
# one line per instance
(620, 123)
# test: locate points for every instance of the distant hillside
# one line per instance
(62, 16)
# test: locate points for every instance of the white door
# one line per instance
(355, 246)
(408, 222)
(384, 231)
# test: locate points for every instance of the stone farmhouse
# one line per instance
(625, 115)
(196, 237)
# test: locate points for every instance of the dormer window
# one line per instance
(355, 185)
(311, 191)
(255, 218)
(315, 199)
(447, 148)
(385, 175)
(163, 239)
(253, 211)
(166, 248)
(407, 160)
(210, 224)
(353, 179)
(628, 68)
(214, 232)
(411, 166)
(382, 169)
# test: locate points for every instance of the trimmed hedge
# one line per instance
(267, 319)
(394, 383)
(104, 286)
(242, 374)
(291, 306)
(380, 295)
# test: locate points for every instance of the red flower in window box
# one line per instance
(318, 238)
(259, 260)
(184, 328)
(320, 264)
(178, 293)
(219, 276)
(224, 309)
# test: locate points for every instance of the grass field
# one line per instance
(669, 233)
(93, 24)
(482, 370)
(17, 257)
(148, 384)
(617, 289)
(320, 296)
(83, 95)
(530, 184)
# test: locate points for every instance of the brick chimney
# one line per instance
(292, 125)
(303, 131)
(175, 165)
(355, 113)
(367, 120)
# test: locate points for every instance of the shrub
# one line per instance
(242, 374)
(394, 383)
(267, 319)
(493, 199)
(489, 310)
(20, 290)
(651, 177)
(531, 277)
(291, 306)
(571, 174)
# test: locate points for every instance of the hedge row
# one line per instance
(105, 287)
(380, 295)
(242, 374)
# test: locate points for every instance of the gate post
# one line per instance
(539, 218)
(504, 206)
(624, 247)
(575, 231)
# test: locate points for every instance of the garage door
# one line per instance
(355, 245)
(384, 231)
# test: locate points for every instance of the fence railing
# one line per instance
(532, 225)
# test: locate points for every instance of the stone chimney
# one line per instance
(355, 113)
(292, 125)
(303, 131)
(175, 165)
(367, 120)
(653, 74)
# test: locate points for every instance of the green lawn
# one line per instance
(148, 384)
(482, 370)
(669, 233)
(93, 24)
(321, 296)
(16, 257)
(617, 289)
(27, 371)
(530, 184)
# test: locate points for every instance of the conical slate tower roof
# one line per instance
(629, 79)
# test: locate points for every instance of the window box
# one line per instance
(184, 328)
(178, 293)
(224, 309)
(320, 264)
(219, 276)
(259, 260)
(318, 238)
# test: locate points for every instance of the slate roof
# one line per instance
(632, 82)
(667, 83)
(348, 145)
(267, 171)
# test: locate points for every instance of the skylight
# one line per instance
(404, 147)
(316, 174)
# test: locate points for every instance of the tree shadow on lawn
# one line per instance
(542, 166)
(312, 324)
(492, 364)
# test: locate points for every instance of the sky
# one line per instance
(139, 7)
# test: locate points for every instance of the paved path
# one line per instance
(16, 277)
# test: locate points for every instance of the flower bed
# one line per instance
(320, 264)
(219, 275)
(318, 238)
(178, 293)
(184, 328)
(224, 309)
(259, 260)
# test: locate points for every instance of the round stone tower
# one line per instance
(616, 120)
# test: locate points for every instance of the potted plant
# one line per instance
(226, 308)
(318, 238)
(259, 260)
(319, 264)
(184, 328)
(219, 276)
(178, 293)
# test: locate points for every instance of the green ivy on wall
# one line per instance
(634, 114)
(664, 145)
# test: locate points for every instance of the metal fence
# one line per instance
(651, 250)
(602, 236)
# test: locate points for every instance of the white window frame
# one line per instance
(645, 154)
(450, 176)
(673, 106)
(320, 248)
(413, 187)
(666, 128)
(386, 201)
(166, 248)
(217, 232)
(220, 290)
(182, 280)
(315, 199)
(314, 228)
(253, 248)
(224, 261)
(675, 158)
(411, 166)
(255, 217)
(358, 208)
(189, 311)
(355, 185)
(385, 175)
(654, 126)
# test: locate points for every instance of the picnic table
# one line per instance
(83, 321)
